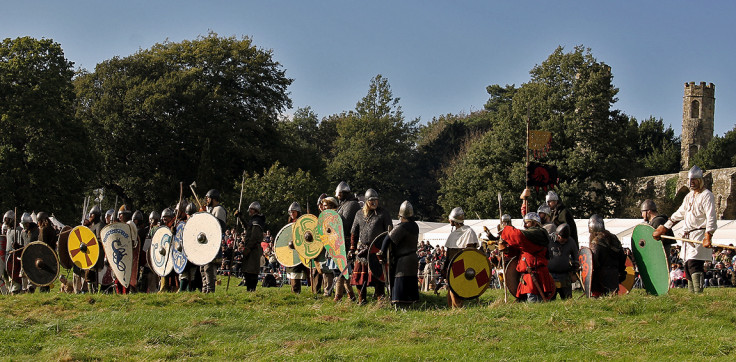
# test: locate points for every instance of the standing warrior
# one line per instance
(609, 259)
(536, 282)
(299, 272)
(125, 215)
(563, 260)
(253, 252)
(12, 231)
(654, 219)
(28, 235)
(462, 237)
(561, 214)
(348, 209)
(369, 223)
(404, 262)
(209, 270)
(699, 214)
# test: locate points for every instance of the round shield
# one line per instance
(314, 263)
(62, 248)
(178, 256)
(375, 266)
(307, 240)
(83, 247)
(333, 236)
(160, 252)
(469, 274)
(40, 263)
(511, 276)
(117, 239)
(286, 256)
(202, 238)
(3, 246)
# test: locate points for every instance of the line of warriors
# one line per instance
(99, 276)
(546, 249)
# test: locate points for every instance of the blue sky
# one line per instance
(437, 55)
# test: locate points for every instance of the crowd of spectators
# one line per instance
(718, 273)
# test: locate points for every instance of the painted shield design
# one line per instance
(316, 262)
(650, 259)
(333, 236)
(375, 266)
(62, 248)
(469, 274)
(286, 256)
(625, 286)
(177, 249)
(162, 262)
(585, 256)
(117, 239)
(40, 263)
(202, 238)
(305, 234)
(83, 247)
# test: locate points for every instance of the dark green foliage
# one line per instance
(374, 146)
(42, 145)
(719, 153)
(199, 110)
(275, 189)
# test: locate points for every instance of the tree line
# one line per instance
(211, 111)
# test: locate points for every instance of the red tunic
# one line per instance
(533, 259)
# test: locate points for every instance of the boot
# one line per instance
(691, 285)
(698, 282)
(183, 285)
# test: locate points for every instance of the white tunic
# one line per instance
(461, 237)
(698, 213)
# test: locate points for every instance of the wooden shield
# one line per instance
(83, 248)
(333, 236)
(286, 256)
(316, 262)
(511, 277)
(628, 283)
(374, 266)
(585, 256)
(117, 239)
(40, 263)
(305, 234)
(160, 252)
(178, 256)
(202, 238)
(469, 274)
(62, 248)
(650, 259)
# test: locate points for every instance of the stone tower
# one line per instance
(698, 107)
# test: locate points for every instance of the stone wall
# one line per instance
(669, 190)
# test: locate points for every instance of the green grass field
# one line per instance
(274, 324)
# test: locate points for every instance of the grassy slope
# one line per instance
(275, 324)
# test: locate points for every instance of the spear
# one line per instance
(503, 262)
(699, 242)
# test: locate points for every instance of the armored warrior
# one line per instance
(536, 282)
(698, 212)
(28, 235)
(13, 238)
(209, 270)
(188, 278)
(461, 237)
(609, 259)
(545, 214)
(652, 217)
(404, 262)
(125, 215)
(563, 261)
(168, 282)
(561, 214)
(348, 208)
(370, 222)
(253, 252)
(299, 272)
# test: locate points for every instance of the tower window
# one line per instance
(695, 109)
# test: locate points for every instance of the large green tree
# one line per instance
(374, 145)
(275, 189)
(201, 110)
(719, 153)
(42, 146)
(570, 94)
